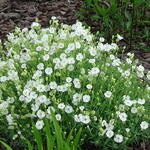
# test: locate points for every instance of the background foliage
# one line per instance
(130, 18)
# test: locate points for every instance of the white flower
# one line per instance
(23, 66)
(94, 71)
(42, 98)
(118, 138)
(140, 68)
(37, 74)
(76, 118)
(26, 92)
(126, 97)
(109, 126)
(9, 118)
(78, 45)
(133, 110)
(53, 85)
(77, 83)
(68, 109)
(84, 118)
(34, 107)
(89, 86)
(119, 37)
(61, 45)
(109, 133)
(76, 98)
(40, 88)
(46, 57)
(92, 61)
(128, 102)
(123, 116)
(39, 124)
(40, 114)
(128, 60)
(144, 125)
(127, 130)
(79, 56)
(82, 71)
(126, 73)
(112, 57)
(70, 68)
(58, 117)
(35, 24)
(116, 62)
(39, 48)
(141, 101)
(81, 108)
(108, 94)
(61, 106)
(40, 66)
(68, 79)
(33, 95)
(148, 75)
(48, 71)
(101, 39)
(86, 98)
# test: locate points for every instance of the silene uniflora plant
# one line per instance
(65, 70)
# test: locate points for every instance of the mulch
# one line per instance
(22, 13)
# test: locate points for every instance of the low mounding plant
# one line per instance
(64, 69)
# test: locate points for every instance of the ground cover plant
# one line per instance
(65, 70)
(127, 17)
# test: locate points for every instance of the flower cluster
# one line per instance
(64, 69)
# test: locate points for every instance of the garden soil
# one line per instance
(22, 13)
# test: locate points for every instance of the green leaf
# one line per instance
(58, 133)
(38, 138)
(77, 139)
(67, 146)
(128, 16)
(6, 146)
(69, 136)
(28, 143)
(49, 137)
(128, 25)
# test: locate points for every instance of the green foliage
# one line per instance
(68, 71)
(6, 145)
(127, 17)
(67, 144)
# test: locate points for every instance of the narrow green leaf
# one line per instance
(38, 138)
(6, 146)
(69, 136)
(128, 16)
(28, 143)
(77, 139)
(49, 137)
(66, 147)
(58, 133)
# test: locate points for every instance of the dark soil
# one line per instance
(22, 13)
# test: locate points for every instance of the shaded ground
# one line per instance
(22, 13)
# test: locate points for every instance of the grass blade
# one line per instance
(49, 137)
(69, 136)
(58, 133)
(38, 138)
(6, 146)
(77, 139)
(28, 143)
